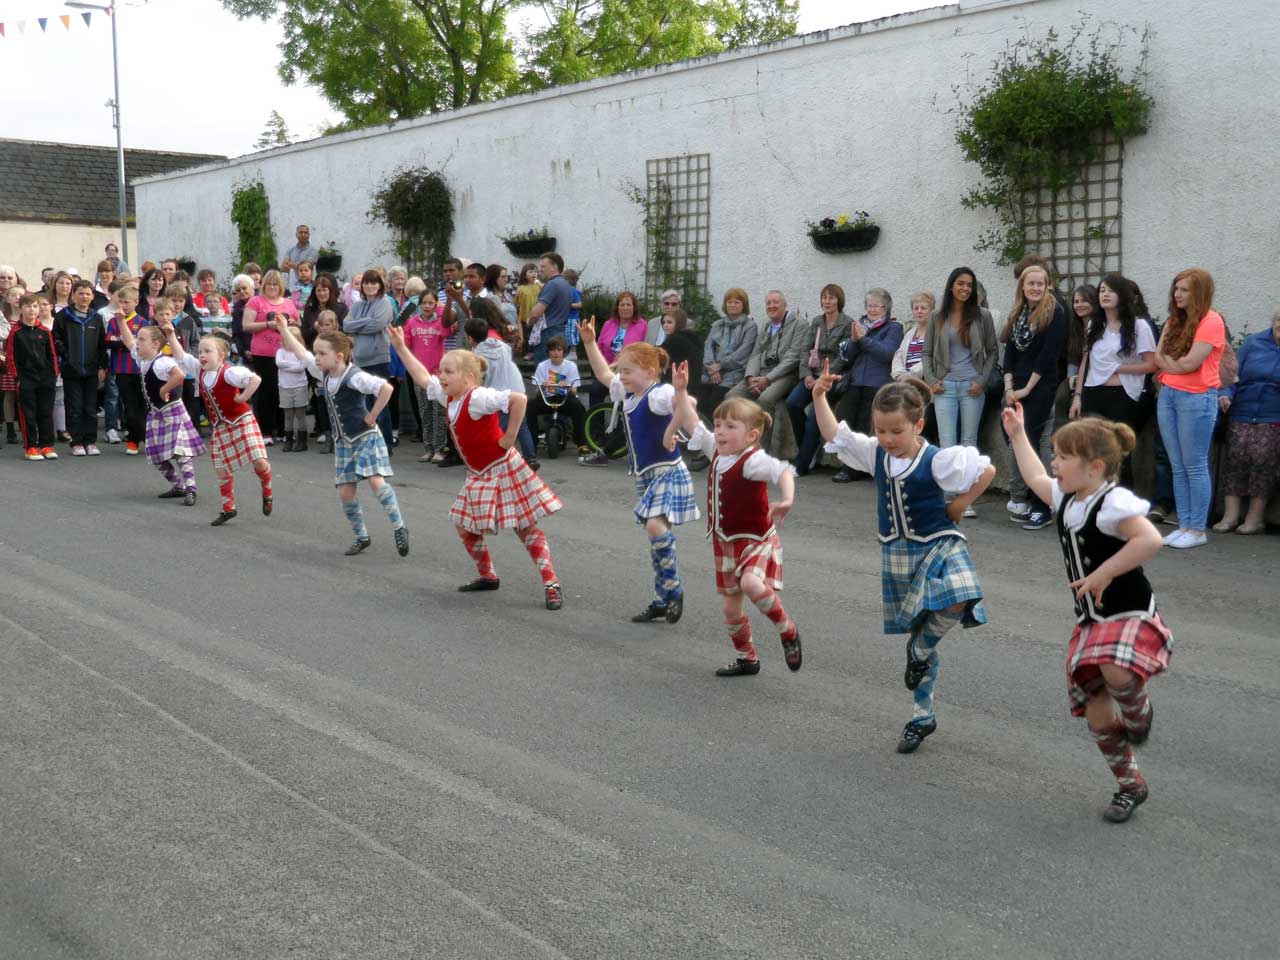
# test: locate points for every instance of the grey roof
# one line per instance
(73, 183)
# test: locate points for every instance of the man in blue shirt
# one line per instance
(554, 303)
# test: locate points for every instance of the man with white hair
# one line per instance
(771, 371)
(670, 300)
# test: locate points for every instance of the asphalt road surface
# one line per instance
(236, 742)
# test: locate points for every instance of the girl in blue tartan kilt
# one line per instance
(359, 450)
(1119, 642)
(928, 582)
(663, 482)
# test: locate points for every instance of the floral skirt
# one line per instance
(1253, 460)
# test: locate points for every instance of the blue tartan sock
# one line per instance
(666, 577)
(355, 516)
(387, 497)
(924, 646)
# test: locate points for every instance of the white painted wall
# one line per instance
(821, 124)
(39, 245)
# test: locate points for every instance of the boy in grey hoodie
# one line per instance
(501, 373)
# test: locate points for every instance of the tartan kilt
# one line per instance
(1140, 646)
(170, 433)
(508, 495)
(917, 578)
(237, 444)
(734, 558)
(360, 459)
(666, 492)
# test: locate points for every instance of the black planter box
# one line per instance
(189, 266)
(530, 246)
(846, 241)
(329, 263)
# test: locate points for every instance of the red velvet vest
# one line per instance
(477, 440)
(737, 508)
(220, 400)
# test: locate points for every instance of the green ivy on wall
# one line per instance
(1035, 123)
(416, 203)
(251, 213)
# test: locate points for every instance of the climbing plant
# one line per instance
(416, 204)
(251, 213)
(663, 267)
(1049, 109)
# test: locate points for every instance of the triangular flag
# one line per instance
(66, 20)
(22, 27)
(86, 18)
(1, 29)
(44, 23)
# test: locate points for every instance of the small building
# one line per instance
(60, 202)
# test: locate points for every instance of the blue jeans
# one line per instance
(955, 403)
(1186, 426)
(111, 403)
(803, 425)
(384, 418)
(524, 439)
(540, 349)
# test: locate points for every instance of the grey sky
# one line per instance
(193, 78)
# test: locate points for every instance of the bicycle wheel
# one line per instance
(553, 439)
(597, 430)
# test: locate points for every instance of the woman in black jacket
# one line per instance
(683, 346)
(1035, 334)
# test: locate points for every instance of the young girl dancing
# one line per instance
(662, 480)
(359, 450)
(740, 519)
(501, 490)
(236, 439)
(1119, 642)
(171, 438)
(928, 583)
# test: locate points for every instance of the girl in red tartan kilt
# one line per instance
(741, 522)
(1119, 642)
(236, 441)
(501, 491)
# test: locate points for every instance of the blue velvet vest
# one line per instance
(645, 430)
(912, 506)
(347, 408)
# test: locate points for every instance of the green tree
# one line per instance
(275, 133)
(383, 60)
(583, 39)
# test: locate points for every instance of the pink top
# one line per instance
(634, 334)
(1212, 331)
(265, 343)
(426, 340)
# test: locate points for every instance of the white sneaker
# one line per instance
(1169, 538)
(969, 513)
(77, 451)
(1189, 539)
(113, 436)
(93, 451)
(1018, 512)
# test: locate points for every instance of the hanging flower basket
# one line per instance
(845, 241)
(188, 265)
(329, 263)
(530, 246)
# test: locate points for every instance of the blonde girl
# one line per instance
(741, 522)
(359, 451)
(928, 582)
(663, 482)
(501, 491)
(1119, 641)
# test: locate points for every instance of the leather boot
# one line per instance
(301, 445)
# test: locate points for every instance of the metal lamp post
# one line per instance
(115, 114)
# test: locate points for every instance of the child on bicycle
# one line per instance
(558, 378)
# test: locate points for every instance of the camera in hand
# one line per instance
(457, 284)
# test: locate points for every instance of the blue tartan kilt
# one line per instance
(917, 578)
(666, 492)
(360, 459)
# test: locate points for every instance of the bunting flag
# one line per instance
(22, 28)
(66, 20)
(1, 29)
(87, 15)
(43, 22)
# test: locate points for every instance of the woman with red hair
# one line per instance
(1187, 359)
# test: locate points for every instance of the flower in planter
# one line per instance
(860, 220)
(329, 249)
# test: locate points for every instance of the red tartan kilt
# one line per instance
(1140, 646)
(235, 445)
(509, 495)
(734, 558)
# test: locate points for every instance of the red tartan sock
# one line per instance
(1134, 706)
(740, 634)
(262, 467)
(479, 553)
(535, 541)
(769, 603)
(1116, 750)
(227, 488)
